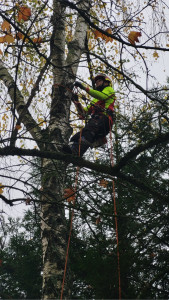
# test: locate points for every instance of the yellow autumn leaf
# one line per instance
(1, 53)
(155, 55)
(4, 117)
(1, 188)
(41, 121)
(163, 121)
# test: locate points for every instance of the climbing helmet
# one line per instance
(104, 76)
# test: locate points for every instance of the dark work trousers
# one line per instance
(97, 127)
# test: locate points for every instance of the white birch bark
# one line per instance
(54, 225)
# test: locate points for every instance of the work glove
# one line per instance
(80, 85)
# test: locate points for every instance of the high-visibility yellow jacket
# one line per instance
(102, 102)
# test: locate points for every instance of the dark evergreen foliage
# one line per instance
(20, 271)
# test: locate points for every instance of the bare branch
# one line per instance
(28, 120)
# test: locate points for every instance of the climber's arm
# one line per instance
(79, 107)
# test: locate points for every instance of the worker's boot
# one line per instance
(77, 148)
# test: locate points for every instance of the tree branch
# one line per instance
(17, 28)
(139, 87)
(25, 109)
(9, 202)
(114, 36)
(28, 121)
(162, 138)
(103, 169)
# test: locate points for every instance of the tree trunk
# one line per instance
(54, 224)
(54, 229)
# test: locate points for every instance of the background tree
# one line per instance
(21, 258)
(43, 44)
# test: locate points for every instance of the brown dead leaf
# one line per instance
(98, 220)
(98, 34)
(108, 38)
(24, 13)
(28, 201)
(104, 183)
(69, 194)
(1, 39)
(5, 26)
(37, 40)
(133, 37)
(1, 188)
(9, 38)
(17, 127)
(19, 36)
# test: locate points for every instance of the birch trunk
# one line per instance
(54, 230)
(54, 224)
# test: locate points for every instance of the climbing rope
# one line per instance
(115, 213)
(70, 231)
(71, 221)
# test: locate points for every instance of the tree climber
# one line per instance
(101, 110)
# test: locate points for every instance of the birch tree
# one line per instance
(43, 45)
